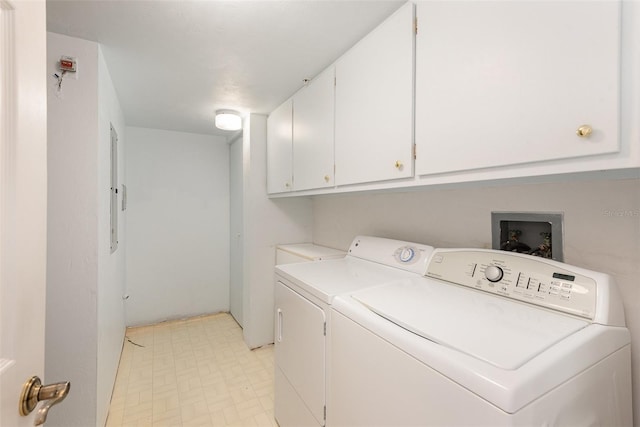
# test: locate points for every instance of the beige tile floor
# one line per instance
(194, 372)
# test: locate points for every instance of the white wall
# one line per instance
(111, 267)
(84, 319)
(72, 250)
(178, 225)
(266, 223)
(601, 227)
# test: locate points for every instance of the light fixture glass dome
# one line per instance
(228, 120)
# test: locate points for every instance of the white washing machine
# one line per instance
(488, 338)
(303, 296)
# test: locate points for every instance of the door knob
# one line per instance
(33, 392)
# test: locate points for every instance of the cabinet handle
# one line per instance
(399, 165)
(287, 185)
(327, 178)
(279, 331)
(584, 131)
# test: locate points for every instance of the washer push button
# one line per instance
(565, 291)
(543, 288)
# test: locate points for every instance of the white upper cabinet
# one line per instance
(279, 148)
(313, 133)
(510, 82)
(374, 104)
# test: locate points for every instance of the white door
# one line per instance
(280, 148)
(313, 111)
(23, 201)
(509, 82)
(300, 355)
(237, 230)
(374, 104)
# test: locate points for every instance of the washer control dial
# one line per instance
(493, 273)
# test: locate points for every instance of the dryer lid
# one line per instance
(328, 278)
(502, 332)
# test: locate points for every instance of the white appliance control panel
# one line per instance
(407, 256)
(521, 277)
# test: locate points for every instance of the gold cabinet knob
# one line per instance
(584, 131)
(327, 178)
(398, 164)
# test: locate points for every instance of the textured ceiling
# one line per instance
(174, 63)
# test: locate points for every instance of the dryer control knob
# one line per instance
(493, 273)
(406, 254)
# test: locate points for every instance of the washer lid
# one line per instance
(501, 332)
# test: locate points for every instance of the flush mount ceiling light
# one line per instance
(228, 120)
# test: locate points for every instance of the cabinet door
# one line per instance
(279, 148)
(510, 82)
(313, 133)
(300, 349)
(374, 104)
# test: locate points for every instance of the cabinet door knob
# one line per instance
(584, 131)
(399, 165)
(287, 185)
(327, 178)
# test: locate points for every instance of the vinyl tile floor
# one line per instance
(193, 372)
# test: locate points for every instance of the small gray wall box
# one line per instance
(533, 233)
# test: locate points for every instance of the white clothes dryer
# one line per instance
(488, 338)
(303, 295)
(305, 252)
